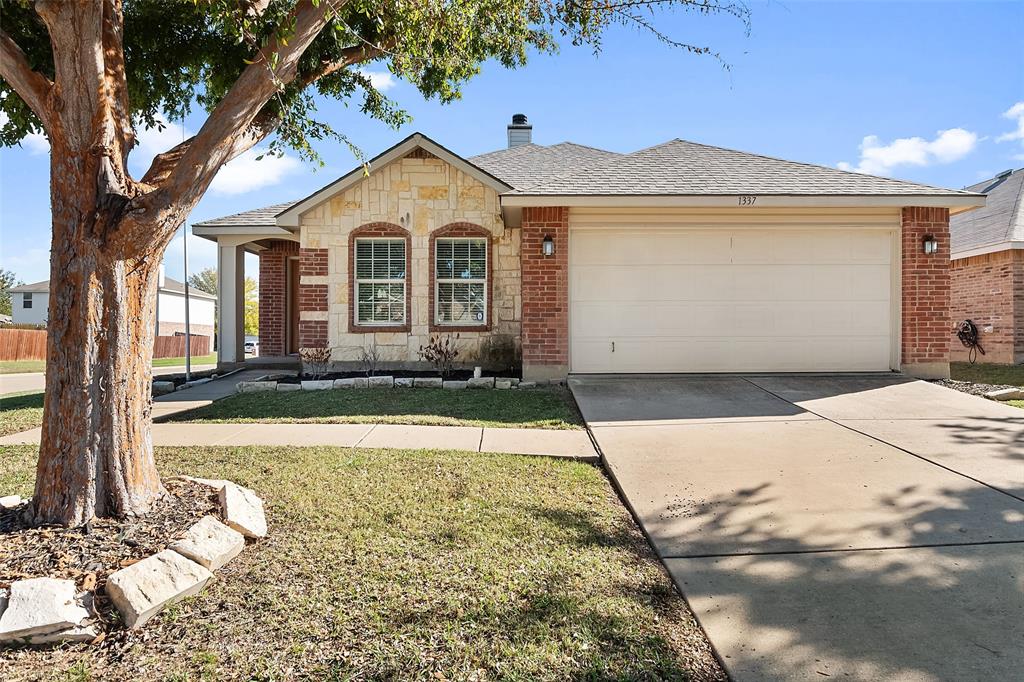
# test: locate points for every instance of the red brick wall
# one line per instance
(545, 285)
(273, 296)
(312, 297)
(989, 289)
(926, 287)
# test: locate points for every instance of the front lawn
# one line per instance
(999, 375)
(22, 366)
(20, 412)
(406, 565)
(210, 359)
(549, 407)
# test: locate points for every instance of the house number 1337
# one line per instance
(747, 200)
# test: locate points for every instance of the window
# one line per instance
(26, 301)
(461, 282)
(380, 282)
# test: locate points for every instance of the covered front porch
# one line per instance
(279, 273)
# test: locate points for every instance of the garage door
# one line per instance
(735, 300)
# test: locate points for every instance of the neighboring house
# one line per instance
(988, 269)
(29, 304)
(678, 258)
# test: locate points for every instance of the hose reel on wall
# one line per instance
(967, 332)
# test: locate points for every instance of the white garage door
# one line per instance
(731, 300)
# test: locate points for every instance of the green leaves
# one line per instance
(183, 53)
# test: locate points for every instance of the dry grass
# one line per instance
(406, 565)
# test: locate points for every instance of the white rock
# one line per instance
(255, 386)
(403, 382)
(344, 383)
(382, 382)
(141, 590)
(527, 384)
(77, 633)
(481, 382)
(163, 387)
(10, 502)
(454, 385)
(1006, 394)
(360, 382)
(502, 384)
(40, 606)
(283, 387)
(428, 382)
(515, 381)
(215, 483)
(319, 385)
(243, 510)
(210, 543)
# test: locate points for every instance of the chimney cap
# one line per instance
(519, 119)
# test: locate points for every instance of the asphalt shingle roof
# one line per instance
(678, 167)
(532, 164)
(254, 218)
(1001, 219)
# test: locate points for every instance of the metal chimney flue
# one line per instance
(520, 132)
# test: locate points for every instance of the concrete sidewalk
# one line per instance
(201, 395)
(548, 442)
(36, 381)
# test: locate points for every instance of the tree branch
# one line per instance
(31, 86)
(217, 141)
(350, 56)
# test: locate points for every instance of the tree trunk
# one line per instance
(96, 454)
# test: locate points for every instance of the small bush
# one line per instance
(370, 359)
(441, 352)
(316, 361)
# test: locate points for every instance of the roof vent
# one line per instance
(1005, 174)
(519, 131)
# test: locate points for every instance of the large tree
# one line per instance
(88, 72)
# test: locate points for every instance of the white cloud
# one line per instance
(381, 80)
(880, 159)
(1015, 113)
(245, 174)
(29, 265)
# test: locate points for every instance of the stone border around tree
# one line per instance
(47, 610)
(269, 384)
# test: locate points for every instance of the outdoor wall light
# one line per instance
(930, 244)
(549, 246)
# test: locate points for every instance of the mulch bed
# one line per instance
(971, 387)
(90, 553)
(179, 377)
(456, 375)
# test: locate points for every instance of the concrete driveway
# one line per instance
(857, 527)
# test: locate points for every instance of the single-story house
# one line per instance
(987, 252)
(29, 303)
(682, 257)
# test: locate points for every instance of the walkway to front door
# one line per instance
(857, 527)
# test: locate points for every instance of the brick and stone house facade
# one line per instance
(565, 258)
(987, 270)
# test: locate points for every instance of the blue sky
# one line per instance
(926, 91)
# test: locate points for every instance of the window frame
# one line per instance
(373, 281)
(26, 301)
(461, 232)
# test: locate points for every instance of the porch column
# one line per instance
(274, 297)
(231, 306)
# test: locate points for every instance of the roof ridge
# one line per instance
(812, 165)
(585, 146)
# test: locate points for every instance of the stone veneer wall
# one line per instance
(424, 195)
(989, 289)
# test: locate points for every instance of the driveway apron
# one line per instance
(867, 527)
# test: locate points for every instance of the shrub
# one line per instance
(316, 361)
(370, 358)
(441, 352)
